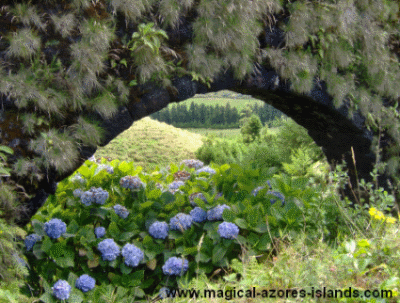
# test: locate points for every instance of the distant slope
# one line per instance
(149, 143)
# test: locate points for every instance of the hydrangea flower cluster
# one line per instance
(100, 232)
(133, 255)
(55, 228)
(159, 230)
(215, 213)
(196, 195)
(164, 293)
(109, 249)
(121, 211)
(100, 167)
(228, 230)
(85, 283)
(181, 221)
(198, 214)
(78, 178)
(31, 240)
(193, 163)
(176, 185)
(160, 186)
(206, 169)
(132, 183)
(61, 290)
(256, 190)
(94, 195)
(77, 193)
(175, 266)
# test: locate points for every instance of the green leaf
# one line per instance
(123, 62)
(6, 149)
(114, 230)
(73, 227)
(146, 205)
(228, 215)
(75, 296)
(218, 253)
(125, 168)
(139, 292)
(125, 270)
(241, 223)
(56, 250)
(126, 236)
(46, 244)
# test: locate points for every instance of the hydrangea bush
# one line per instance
(122, 230)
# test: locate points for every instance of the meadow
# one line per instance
(303, 250)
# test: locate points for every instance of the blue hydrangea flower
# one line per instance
(101, 167)
(78, 178)
(100, 195)
(61, 290)
(94, 195)
(180, 222)
(133, 183)
(193, 163)
(55, 228)
(198, 214)
(160, 186)
(166, 293)
(159, 230)
(175, 266)
(31, 240)
(278, 195)
(256, 190)
(92, 158)
(100, 232)
(133, 255)
(77, 192)
(176, 185)
(109, 249)
(228, 230)
(85, 283)
(215, 213)
(121, 211)
(19, 260)
(269, 184)
(196, 195)
(206, 169)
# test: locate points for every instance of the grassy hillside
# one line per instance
(149, 143)
(218, 98)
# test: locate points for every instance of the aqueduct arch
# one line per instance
(330, 128)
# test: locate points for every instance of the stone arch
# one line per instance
(330, 128)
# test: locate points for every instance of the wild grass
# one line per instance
(364, 258)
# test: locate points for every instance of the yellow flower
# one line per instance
(372, 211)
(379, 215)
(390, 220)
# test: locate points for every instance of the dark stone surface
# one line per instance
(329, 127)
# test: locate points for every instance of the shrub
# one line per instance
(233, 220)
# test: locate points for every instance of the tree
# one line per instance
(76, 73)
(251, 129)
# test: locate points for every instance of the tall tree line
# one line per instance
(208, 116)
